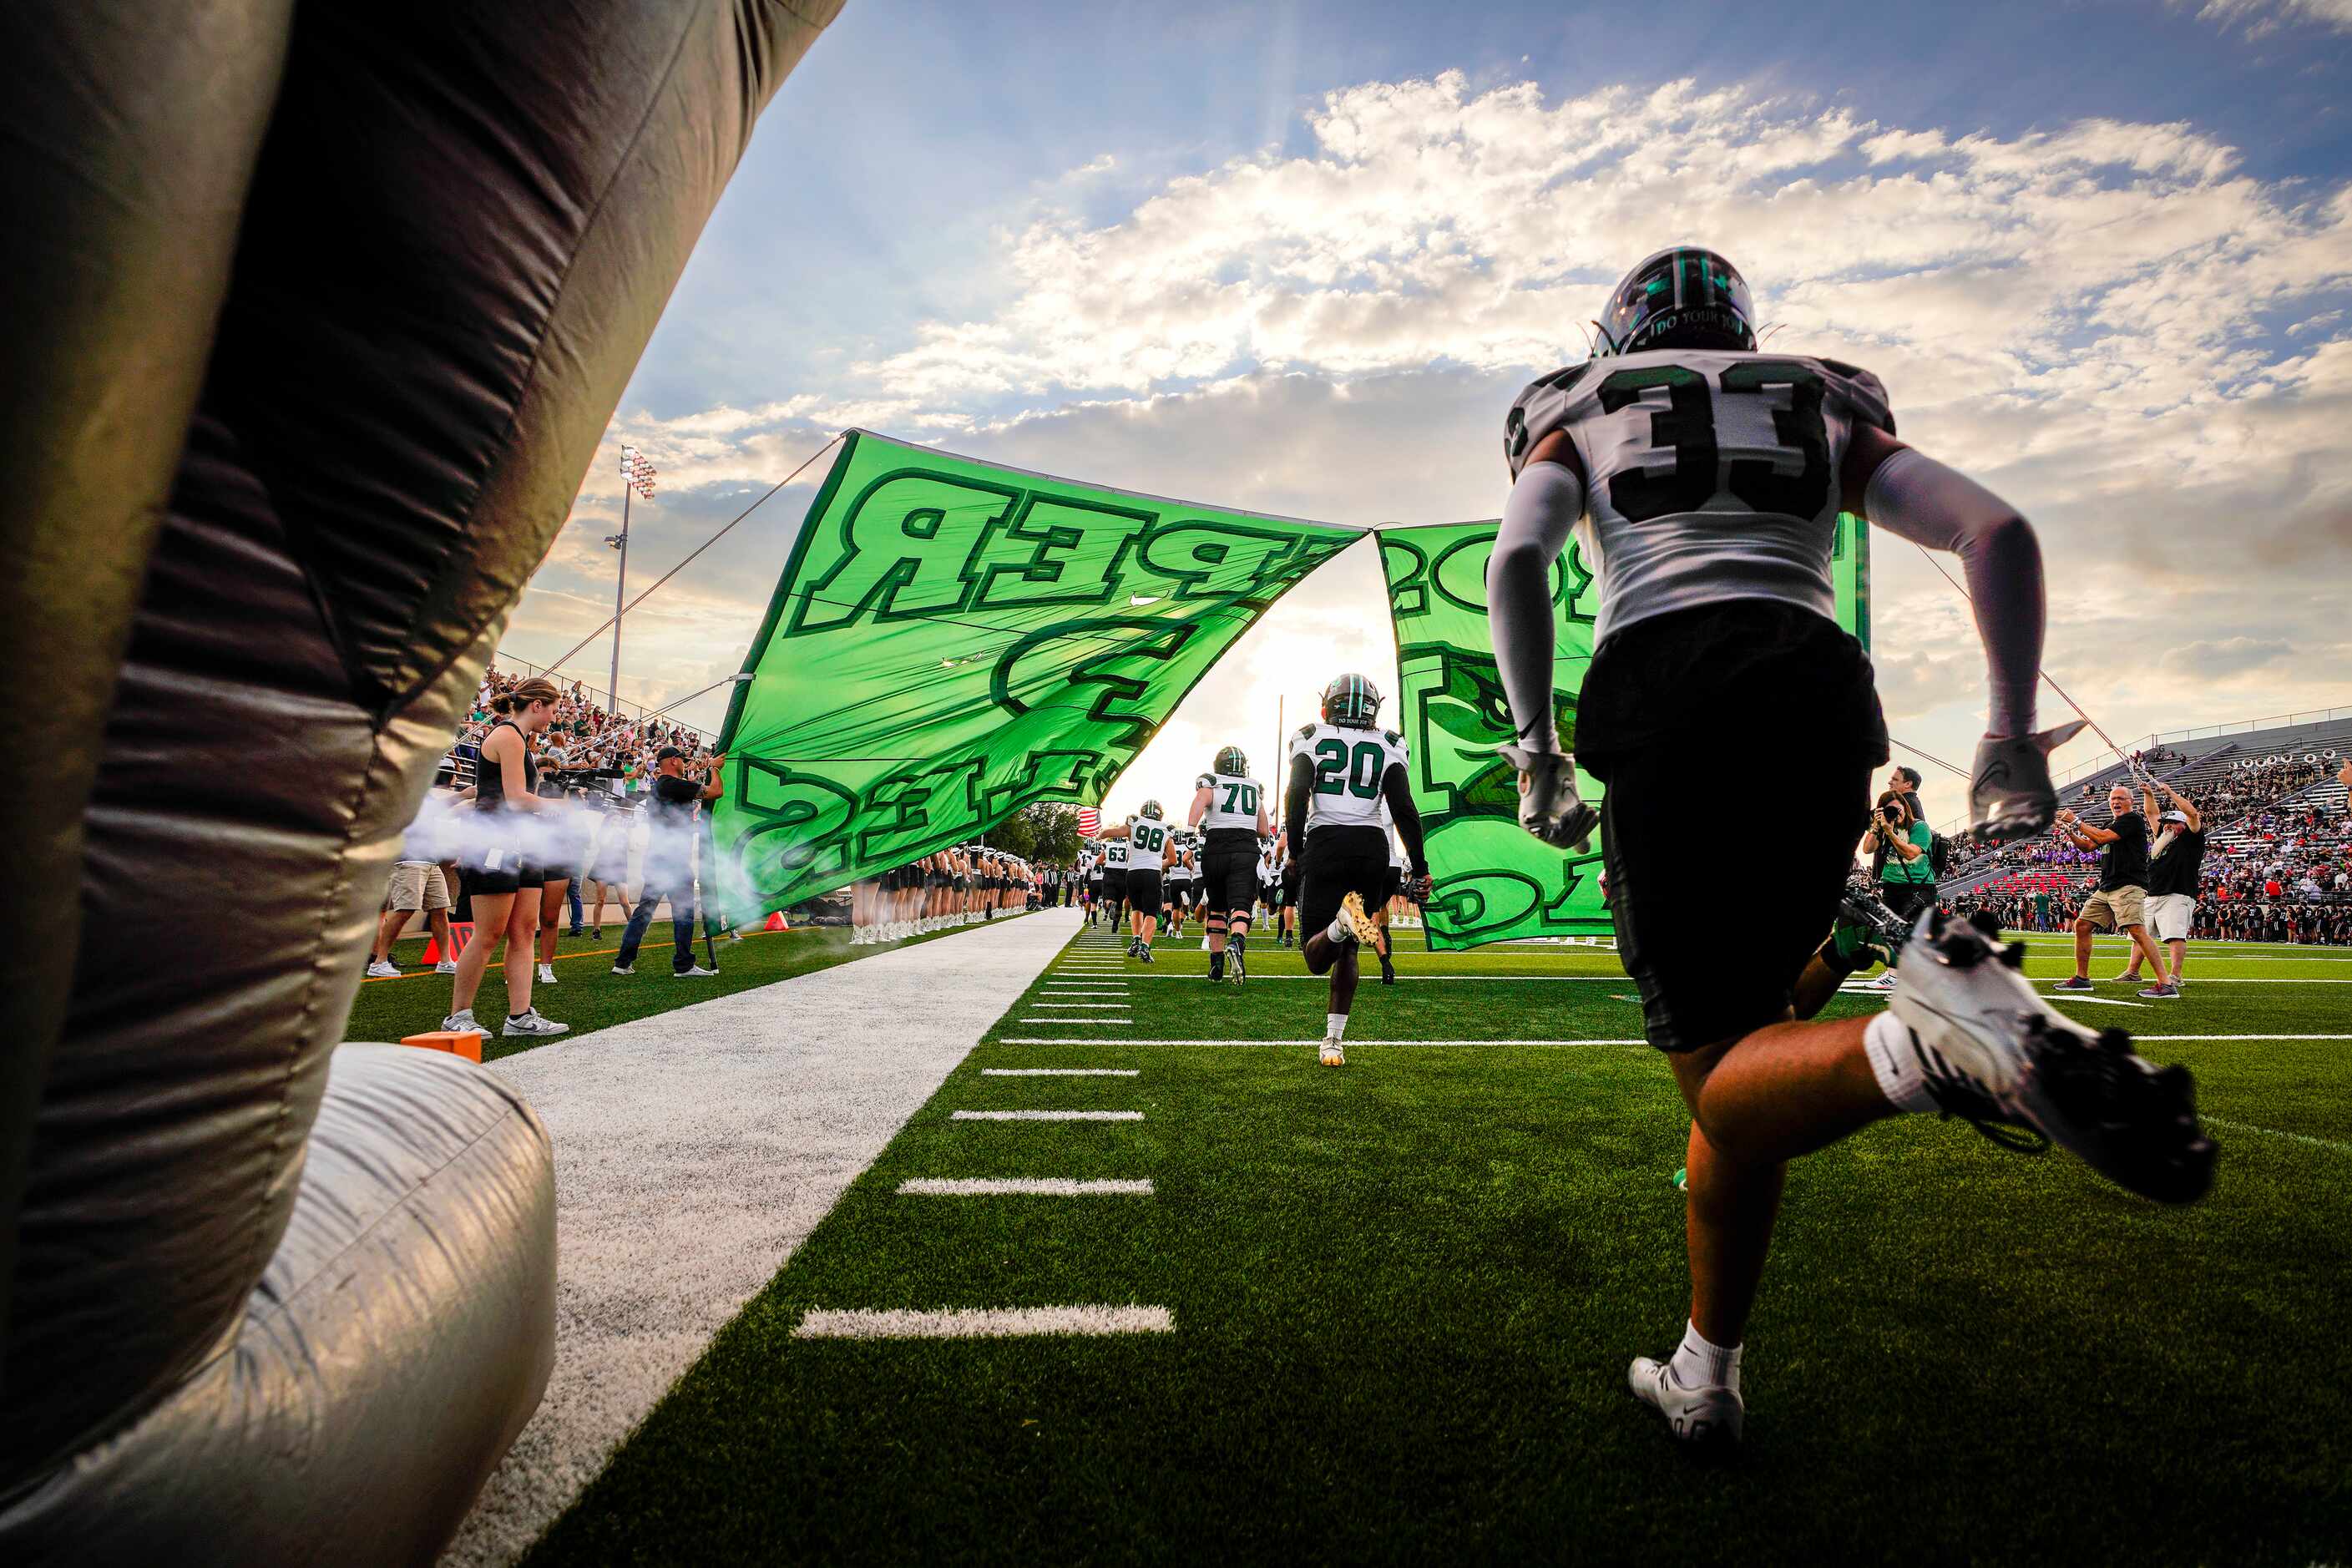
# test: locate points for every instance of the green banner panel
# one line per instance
(1492, 882)
(952, 641)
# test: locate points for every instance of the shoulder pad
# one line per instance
(1865, 395)
(1393, 738)
(1206, 780)
(1306, 732)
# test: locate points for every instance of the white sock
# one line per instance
(1894, 1062)
(1335, 1026)
(1340, 930)
(1699, 1363)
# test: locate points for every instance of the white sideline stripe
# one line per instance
(1060, 1072)
(1084, 1006)
(2275, 1132)
(980, 1323)
(1021, 1186)
(1409, 976)
(1120, 1022)
(1046, 1116)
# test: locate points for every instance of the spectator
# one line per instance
(2120, 902)
(2172, 881)
(669, 861)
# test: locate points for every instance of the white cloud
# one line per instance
(2260, 18)
(2114, 324)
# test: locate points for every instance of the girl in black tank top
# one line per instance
(490, 782)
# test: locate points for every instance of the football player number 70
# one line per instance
(1686, 425)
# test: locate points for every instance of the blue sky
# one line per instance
(1245, 254)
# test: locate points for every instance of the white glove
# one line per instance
(2010, 792)
(1549, 806)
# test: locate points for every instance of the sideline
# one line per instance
(696, 1149)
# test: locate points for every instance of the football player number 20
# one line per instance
(1686, 425)
(1357, 772)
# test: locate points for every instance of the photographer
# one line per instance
(1899, 844)
(669, 860)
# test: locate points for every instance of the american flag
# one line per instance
(1090, 822)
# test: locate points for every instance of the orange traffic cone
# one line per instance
(460, 933)
(776, 922)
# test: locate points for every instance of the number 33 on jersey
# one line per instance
(1348, 766)
(1703, 467)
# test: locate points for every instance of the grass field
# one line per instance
(587, 995)
(1403, 1294)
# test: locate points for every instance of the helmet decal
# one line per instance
(1231, 763)
(1151, 810)
(1682, 297)
(1351, 701)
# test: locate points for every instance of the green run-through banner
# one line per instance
(1492, 881)
(952, 641)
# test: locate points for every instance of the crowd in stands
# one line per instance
(2241, 790)
(583, 738)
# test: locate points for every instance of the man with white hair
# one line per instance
(2119, 903)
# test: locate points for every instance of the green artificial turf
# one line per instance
(1405, 1292)
(587, 995)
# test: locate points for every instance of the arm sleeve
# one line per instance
(1544, 506)
(1918, 499)
(1294, 803)
(1399, 795)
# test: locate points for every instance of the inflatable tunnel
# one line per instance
(317, 313)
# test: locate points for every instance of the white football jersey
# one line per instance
(1348, 765)
(1146, 843)
(1708, 474)
(1115, 854)
(1233, 801)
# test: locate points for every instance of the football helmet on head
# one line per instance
(1152, 809)
(1232, 762)
(1681, 298)
(1351, 702)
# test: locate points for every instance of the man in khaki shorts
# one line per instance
(417, 883)
(2120, 901)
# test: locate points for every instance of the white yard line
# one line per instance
(1118, 1023)
(1032, 1187)
(2275, 1132)
(980, 1323)
(1045, 1116)
(695, 1149)
(1084, 1006)
(1301, 1042)
(1060, 1072)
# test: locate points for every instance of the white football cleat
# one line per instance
(1334, 1056)
(1707, 1417)
(1995, 1052)
(1549, 806)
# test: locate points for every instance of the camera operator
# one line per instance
(669, 860)
(1899, 844)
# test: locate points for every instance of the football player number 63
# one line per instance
(1686, 425)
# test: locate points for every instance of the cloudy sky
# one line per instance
(1298, 258)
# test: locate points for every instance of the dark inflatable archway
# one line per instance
(316, 314)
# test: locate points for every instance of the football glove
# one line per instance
(1417, 889)
(2010, 792)
(1549, 806)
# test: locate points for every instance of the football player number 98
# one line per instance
(1686, 426)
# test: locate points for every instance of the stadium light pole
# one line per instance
(637, 479)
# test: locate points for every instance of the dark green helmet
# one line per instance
(1152, 809)
(1681, 298)
(1351, 702)
(1232, 763)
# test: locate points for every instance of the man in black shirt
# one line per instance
(2172, 883)
(2120, 902)
(669, 861)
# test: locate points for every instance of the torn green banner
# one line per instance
(952, 641)
(1492, 882)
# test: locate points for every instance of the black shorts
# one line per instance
(1230, 878)
(1906, 898)
(1395, 883)
(1784, 698)
(1143, 892)
(509, 876)
(1115, 886)
(1339, 861)
(1178, 893)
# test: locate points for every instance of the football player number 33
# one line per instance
(1686, 426)
(1358, 771)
